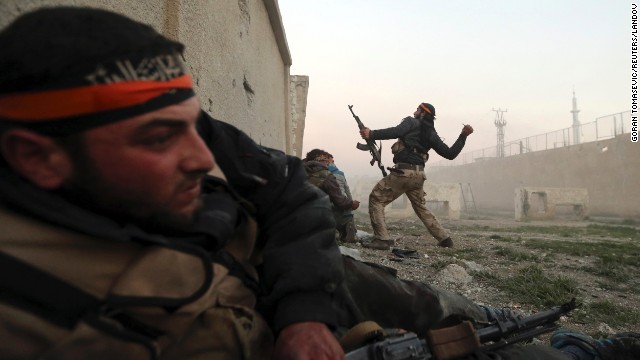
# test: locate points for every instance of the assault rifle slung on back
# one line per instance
(370, 146)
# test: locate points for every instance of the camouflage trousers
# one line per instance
(346, 229)
(409, 182)
(372, 292)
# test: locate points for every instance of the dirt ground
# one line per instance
(477, 237)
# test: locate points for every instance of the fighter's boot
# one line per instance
(622, 346)
(447, 243)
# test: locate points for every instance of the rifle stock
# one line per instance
(370, 146)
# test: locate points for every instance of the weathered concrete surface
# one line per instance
(446, 193)
(537, 203)
(236, 51)
(608, 169)
(298, 90)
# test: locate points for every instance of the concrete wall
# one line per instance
(236, 51)
(608, 169)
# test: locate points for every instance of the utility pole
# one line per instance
(500, 123)
(576, 122)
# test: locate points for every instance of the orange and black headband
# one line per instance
(54, 104)
(116, 96)
(63, 112)
(423, 107)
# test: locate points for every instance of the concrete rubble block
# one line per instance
(541, 203)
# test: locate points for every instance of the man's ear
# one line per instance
(36, 157)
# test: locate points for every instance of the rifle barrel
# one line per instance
(501, 329)
(371, 144)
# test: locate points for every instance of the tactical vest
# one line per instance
(67, 295)
(413, 147)
(416, 139)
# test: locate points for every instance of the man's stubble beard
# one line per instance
(86, 188)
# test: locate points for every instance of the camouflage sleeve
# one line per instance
(337, 197)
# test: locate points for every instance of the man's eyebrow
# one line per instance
(155, 123)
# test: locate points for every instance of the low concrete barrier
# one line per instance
(541, 203)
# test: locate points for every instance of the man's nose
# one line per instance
(197, 157)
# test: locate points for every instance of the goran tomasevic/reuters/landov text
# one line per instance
(634, 72)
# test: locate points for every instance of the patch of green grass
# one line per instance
(614, 231)
(474, 227)
(465, 254)
(614, 286)
(609, 252)
(608, 285)
(613, 271)
(440, 264)
(507, 239)
(532, 286)
(531, 229)
(474, 236)
(608, 313)
(515, 256)
(597, 230)
(465, 251)
(485, 276)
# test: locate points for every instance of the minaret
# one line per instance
(576, 122)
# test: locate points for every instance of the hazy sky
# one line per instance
(464, 57)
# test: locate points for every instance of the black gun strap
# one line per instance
(236, 269)
(24, 286)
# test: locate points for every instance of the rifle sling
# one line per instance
(31, 289)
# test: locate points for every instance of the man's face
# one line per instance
(147, 168)
(419, 113)
(324, 159)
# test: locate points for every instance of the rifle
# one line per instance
(370, 145)
(462, 339)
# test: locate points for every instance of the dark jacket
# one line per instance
(319, 175)
(419, 136)
(296, 226)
